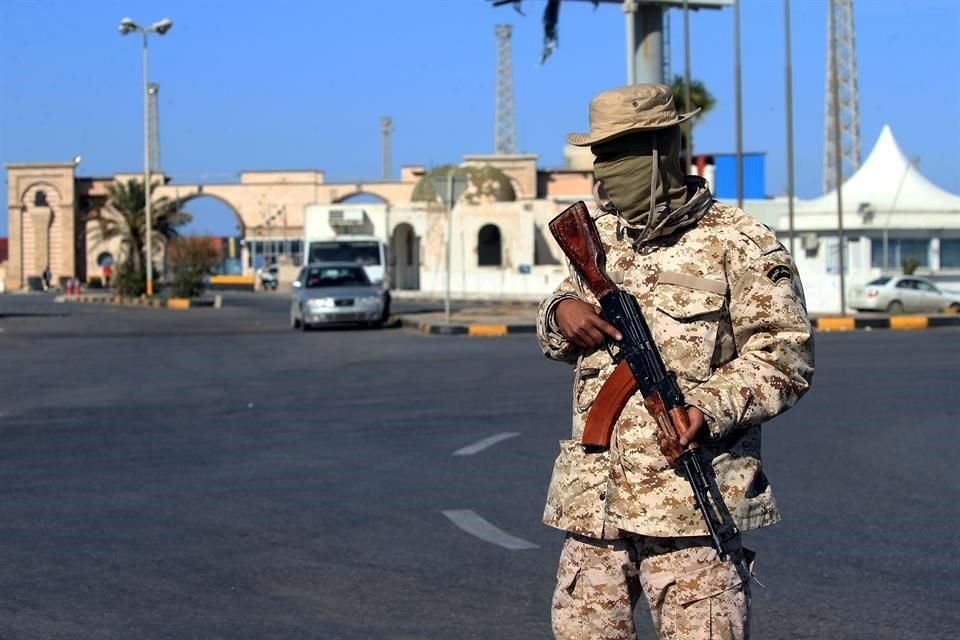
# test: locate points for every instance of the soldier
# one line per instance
(726, 307)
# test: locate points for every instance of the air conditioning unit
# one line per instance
(347, 220)
(347, 217)
(809, 241)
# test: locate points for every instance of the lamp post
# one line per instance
(788, 73)
(449, 188)
(126, 27)
(739, 100)
(838, 157)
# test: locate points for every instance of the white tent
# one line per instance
(889, 211)
(887, 181)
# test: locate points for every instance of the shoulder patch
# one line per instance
(779, 273)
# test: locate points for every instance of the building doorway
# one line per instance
(405, 258)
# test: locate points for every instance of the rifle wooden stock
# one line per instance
(576, 234)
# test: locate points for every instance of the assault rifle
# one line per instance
(639, 365)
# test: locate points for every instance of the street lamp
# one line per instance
(128, 26)
(449, 188)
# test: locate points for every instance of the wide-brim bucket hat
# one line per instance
(636, 107)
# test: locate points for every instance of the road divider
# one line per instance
(157, 303)
(232, 283)
(835, 324)
(908, 322)
(476, 330)
(474, 322)
(896, 323)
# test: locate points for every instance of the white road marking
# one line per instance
(475, 525)
(480, 445)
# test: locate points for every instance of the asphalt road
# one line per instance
(211, 474)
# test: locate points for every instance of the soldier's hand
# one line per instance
(671, 449)
(581, 324)
(697, 422)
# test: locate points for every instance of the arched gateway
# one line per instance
(54, 222)
(53, 212)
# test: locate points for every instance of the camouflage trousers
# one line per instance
(692, 594)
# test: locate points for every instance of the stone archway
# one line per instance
(360, 196)
(270, 206)
(42, 246)
(405, 252)
(217, 218)
(183, 200)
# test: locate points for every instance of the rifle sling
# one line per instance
(606, 407)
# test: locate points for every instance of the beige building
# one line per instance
(498, 247)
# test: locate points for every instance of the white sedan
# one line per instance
(900, 294)
(333, 293)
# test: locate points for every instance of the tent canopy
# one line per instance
(887, 181)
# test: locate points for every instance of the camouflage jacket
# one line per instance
(726, 307)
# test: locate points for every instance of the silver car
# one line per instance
(336, 292)
(899, 294)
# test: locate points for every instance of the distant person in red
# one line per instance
(106, 275)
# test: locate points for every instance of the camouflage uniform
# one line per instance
(726, 307)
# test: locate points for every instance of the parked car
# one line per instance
(337, 292)
(899, 294)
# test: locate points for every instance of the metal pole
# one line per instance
(737, 90)
(449, 203)
(648, 51)
(886, 234)
(388, 269)
(838, 158)
(686, 82)
(789, 82)
(148, 221)
(630, 11)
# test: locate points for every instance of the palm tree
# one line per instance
(126, 220)
(699, 97)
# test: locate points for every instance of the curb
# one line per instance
(823, 324)
(155, 303)
(474, 330)
(895, 323)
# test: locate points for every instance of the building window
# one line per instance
(266, 252)
(950, 254)
(897, 250)
(833, 255)
(489, 249)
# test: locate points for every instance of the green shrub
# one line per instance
(909, 265)
(191, 260)
(129, 281)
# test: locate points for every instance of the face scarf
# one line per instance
(644, 179)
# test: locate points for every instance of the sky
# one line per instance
(248, 85)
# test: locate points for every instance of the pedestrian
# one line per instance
(47, 277)
(107, 271)
(725, 305)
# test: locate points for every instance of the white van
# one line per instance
(366, 251)
(347, 233)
